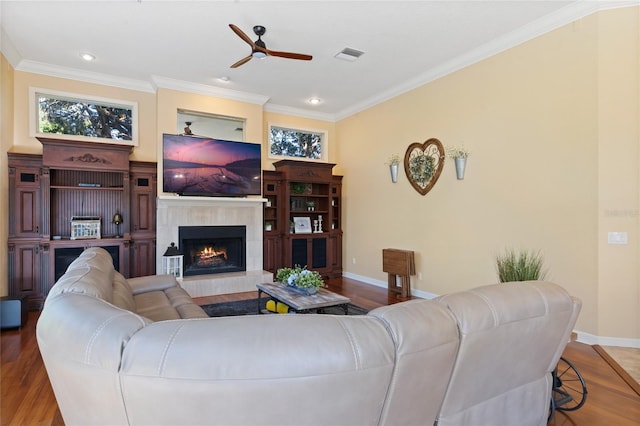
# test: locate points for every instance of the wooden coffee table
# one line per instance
(302, 303)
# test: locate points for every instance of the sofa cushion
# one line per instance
(155, 306)
(122, 294)
(191, 311)
(151, 283)
(170, 303)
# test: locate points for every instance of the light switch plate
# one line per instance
(617, 238)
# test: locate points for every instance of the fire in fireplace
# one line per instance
(213, 249)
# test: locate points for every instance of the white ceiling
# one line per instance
(187, 45)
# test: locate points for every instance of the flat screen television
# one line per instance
(210, 167)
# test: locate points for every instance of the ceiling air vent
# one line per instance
(348, 54)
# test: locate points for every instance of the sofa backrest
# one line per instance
(511, 337)
(91, 273)
(259, 370)
(426, 340)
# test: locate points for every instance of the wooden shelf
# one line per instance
(44, 194)
(289, 188)
(88, 188)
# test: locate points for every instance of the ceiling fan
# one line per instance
(259, 49)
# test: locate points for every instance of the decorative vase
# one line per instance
(461, 163)
(393, 168)
(308, 291)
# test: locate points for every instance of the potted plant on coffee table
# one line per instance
(300, 279)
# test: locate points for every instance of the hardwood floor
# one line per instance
(27, 397)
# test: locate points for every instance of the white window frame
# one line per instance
(324, 152)
(34, 115)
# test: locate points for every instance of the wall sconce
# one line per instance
(394, 164)
(118, 220)
(459, 155)
(172, 261)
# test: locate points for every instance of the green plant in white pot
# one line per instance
(521, 265)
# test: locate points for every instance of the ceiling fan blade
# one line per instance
(242, 35)
(289, 55)
(242, 61)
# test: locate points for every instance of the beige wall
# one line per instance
(553, 129)
(6, 132)
(618, 66)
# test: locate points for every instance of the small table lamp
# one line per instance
(172, 261)
(118, 220)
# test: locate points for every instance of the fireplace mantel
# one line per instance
(174, 211)
(180, 200)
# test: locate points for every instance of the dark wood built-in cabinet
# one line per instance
(298, 189)
(72, 179)
(144, 182)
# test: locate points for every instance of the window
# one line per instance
(299, 144)
(72, 116)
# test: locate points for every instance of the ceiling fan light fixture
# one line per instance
(348, 54)
(259, 55)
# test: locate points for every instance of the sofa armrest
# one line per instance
(151, 283)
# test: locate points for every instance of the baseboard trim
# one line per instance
(378, 283)
(618, 369)
(591, 339)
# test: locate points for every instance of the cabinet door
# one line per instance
(334, 252)
(272, 251)
(25, 213)
(24, 272)
(143, 204)
(143, 258)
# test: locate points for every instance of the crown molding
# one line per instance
(204, 89)
(299, 112)
(548, 23)
(82, 75)
(8, 49)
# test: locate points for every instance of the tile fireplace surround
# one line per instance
(174, 211)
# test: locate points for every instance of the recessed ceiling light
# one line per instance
(348, 54)
(87, 56)
(314, 101)
(223, 79)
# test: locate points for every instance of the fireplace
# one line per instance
(174, 212)
(213, 249)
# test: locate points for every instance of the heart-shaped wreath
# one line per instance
(423, 163)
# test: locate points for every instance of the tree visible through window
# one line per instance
(295, 143)
(84, 118)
